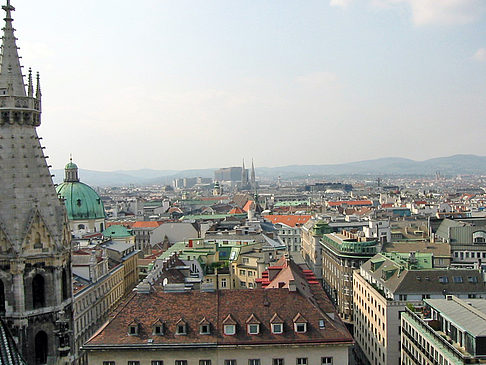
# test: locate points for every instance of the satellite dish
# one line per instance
(165, 282)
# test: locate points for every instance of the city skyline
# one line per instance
(339, 80)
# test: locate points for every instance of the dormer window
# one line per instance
(300, 327)
(253, 329)
(229, 329)
(277, 328)
(204, 327)
(253, 325)
(322, 324)
(133, 328)
(276, 324)
(229, 325)
(158, 328)
(300, 324)
(181, 327)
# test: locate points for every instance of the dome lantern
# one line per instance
(71, 172)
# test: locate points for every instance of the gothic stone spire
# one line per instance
(11, 79)
(26, 187)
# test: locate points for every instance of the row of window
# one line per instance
(466, 254)
(328, 360)
(418, 346)
(229, 329)
(457, 279)
(249, 272)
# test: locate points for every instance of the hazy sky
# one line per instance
(192, 84)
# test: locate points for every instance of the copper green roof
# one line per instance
(71, 165)
(117, 231)
(81, 201)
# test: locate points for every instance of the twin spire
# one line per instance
(11, 77)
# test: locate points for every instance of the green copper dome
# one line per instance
(81, 201)
(71, 165)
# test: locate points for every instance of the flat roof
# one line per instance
(468, 314)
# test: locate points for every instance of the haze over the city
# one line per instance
(193, 84)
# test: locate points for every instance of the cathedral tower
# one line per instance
(253, 176)
(35, 267)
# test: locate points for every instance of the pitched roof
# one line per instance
(299, 318)
(219, 308)
(289, 220)
(248, 206)
(146, 224)
(276, 319)
(252, 319)
(236, 210)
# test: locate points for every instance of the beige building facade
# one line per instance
(385, 285)
(228, 355)
(92, 305)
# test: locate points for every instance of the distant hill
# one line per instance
(452, 165)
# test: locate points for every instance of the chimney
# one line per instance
(292, 286)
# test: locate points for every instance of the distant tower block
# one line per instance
(35, 247)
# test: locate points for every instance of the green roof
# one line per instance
(117, 231)
(81, 201)
(422, 260)
(175, 248)
(71, 166)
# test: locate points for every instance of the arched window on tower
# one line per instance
(38, 292)
(2, 298)
(41, 346)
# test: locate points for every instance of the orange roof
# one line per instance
(146, 224)
(236, 210)
(247, 206)
(289, 220)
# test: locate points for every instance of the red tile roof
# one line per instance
(289, 220)
(146, 224)
(239, 305)
(236, 210)
(420, 202)
(248, 206)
